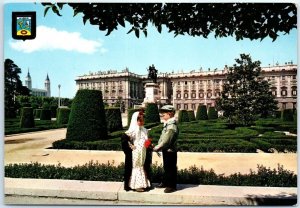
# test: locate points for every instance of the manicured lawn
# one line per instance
(210, 136)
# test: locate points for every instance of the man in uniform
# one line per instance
(168, 145)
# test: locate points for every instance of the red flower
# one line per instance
(148, 143)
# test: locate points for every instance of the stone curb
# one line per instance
(186, 194)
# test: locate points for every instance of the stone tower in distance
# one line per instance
(28, 82)
(47, 86)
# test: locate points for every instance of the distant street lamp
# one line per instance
(59, 95)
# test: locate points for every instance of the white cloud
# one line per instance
(51, 39)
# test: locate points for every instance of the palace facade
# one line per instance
(185, 90)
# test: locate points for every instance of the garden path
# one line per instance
(32, 147)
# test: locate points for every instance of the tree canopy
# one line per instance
(242, 20)
(245, 94)
(13, 86)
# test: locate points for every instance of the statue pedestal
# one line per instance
(151, 93)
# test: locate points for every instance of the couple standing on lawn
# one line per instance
(138, 152)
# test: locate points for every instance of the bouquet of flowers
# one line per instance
(148, 144)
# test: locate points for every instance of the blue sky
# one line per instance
(66, 48)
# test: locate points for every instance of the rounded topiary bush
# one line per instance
(151, 113)
(191, 115)
(287, 115)
(201, 113)
(27, 119)
(129, 114)
(63, 115)
(113, 119)
(212, 113)
(87, 120)
(183, 116)
(45, 114)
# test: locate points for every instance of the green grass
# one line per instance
(196, 136)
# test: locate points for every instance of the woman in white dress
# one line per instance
(138, 135)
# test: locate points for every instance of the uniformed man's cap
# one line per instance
(167, 108)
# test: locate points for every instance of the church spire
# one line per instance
(28, 74)
(47, 86)
(47, 78)
(28, 82)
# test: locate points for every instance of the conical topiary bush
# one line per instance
(151, 113)
(113, 119)
(212, 113)
(191, 115)
(63, 115)
(27, 119)
(87, 118)
(183, 116)
(201, 113)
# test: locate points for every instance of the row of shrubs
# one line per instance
(94, 171)
(27, 116)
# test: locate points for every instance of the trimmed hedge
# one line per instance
(53, 109)
(287, 115)
(113, 119)
(191, 115)
(38, 113)
(151, 113)
(193, 175)
(201, 113)
(212, 113)
(183, 116)
(87, 120)
(63, 115)
(27, 119)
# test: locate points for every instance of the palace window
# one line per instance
(201, 95)
(283, 92)
(209, 94)
(186, 95)
(178, 106)
(193, 95)
(283, 105)
(185, 106)
(294, 92)
(178, 95)
(193, 106)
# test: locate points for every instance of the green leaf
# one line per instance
(85, 18)
(46, 10)
(75, 13)
(55, 10)
(121, 21)
(145, 32)
(137, 32)
(130, 30)
(159, 28)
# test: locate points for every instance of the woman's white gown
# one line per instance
(138, 177)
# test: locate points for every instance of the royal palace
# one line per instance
(185, 90)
